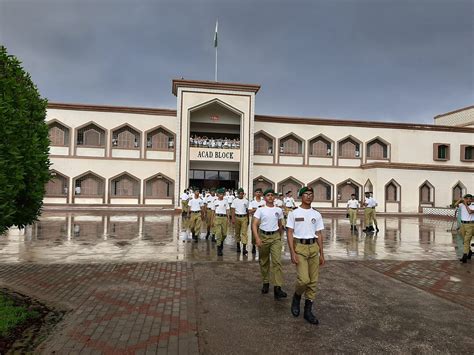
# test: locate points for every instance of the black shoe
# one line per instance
(219, 250)
(238, 248)
(469, 255)
(308, 312)
(463, 259)
(244, 249)
(295, 305)
(279, 293)
(377, 229)
(195, 238)
(355, 229)
(254, 250)
(207, 235)
(265, 288)
(213, 238)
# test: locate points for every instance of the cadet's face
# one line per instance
(269, 197)
(468, 200)
(307, 197)
(221, 196)
(258, 194)
(241, 195)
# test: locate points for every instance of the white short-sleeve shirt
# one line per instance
(289, 202)
(195, 204)
(305, 223)
(184, 196)
(221, 206)
(465, 216)
(353, 204)
(269, 217)
(209, 200)
(278, 203)
(240, 205)
(256, 204)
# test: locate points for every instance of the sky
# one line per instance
(377, 60)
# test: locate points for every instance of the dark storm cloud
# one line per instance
(393, 60)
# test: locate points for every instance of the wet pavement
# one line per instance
(132, 237)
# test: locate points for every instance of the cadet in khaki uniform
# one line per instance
(209, 207)
(240, 220)
(352, 208)
(305, 240)
(467, 225)
(268, 229)
(196, 215)
(368, 213)
(256, 203)
(374, 204)
(220, 219)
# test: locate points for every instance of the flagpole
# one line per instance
(215, 76)
(215, 46)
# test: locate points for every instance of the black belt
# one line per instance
(209, 208)
(195, 211)
(353, 208)
(306, 241)
(221, 215)
(241, 215)
(268, 233)
(467, 222)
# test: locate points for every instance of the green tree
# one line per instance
(24, 145)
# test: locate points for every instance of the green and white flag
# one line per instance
(215, 35)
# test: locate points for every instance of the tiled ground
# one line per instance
(114, 308)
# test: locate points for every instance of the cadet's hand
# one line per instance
(294, 258)
(321, 260)
(233, 221)
(258, 242)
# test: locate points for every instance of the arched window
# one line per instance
(89, 185)
(392, 191)
(262, 183)
(124, 186)
(426, 193)
(346, 188)
(377, 149)
(159, 187)
(290, 184)
(125, 137)
(57, 186)
(291, 145)
(91, 136)
(349, 148)
(320, 146)
(160, 139)
(58, 134)
(458, 191)
(322, 190)
(263, 144)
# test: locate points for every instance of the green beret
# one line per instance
(213, 190)
(304, 189)
(221, 191)
(240, 190)
(467, 196)
(268, 191)
(258, 190)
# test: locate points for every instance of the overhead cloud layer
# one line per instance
(390, 60)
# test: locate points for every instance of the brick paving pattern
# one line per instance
(445, 278)
(142, 308)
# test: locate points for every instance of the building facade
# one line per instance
(127, 156)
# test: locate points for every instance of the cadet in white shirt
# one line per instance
(305, 241)
(209, 207)
(240, 220)
(374, 204)
(352, 208)
(257, 202)
(467, 225)
(368, 213)
(184, 201)
(220, 219)
(196, 215)
(268, 229)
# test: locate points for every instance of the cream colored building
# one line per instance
(127, 156)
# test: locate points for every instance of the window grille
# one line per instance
(321, 148)
(469, 153)
(262, 184)
(442, 152)
(377, 150)
(89, 185)
(263, 145)
(160, 139)
(159, 187)
(391, 193)
(125, 186)
(57, 186)
(91, 136)
(126, 138)
(322, 191)
(349, 149)
(58, 134)
(290, 145)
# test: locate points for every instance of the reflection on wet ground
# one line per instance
(102, 237)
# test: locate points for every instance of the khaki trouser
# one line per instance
(271, 249)
(220, 228)
(353, 216)
(184, 206)
(467, 232)
(374, 217)
(210, 228)
(241, 227)
(307, 269)
(251, 231)
(195, 223)
(369, 216)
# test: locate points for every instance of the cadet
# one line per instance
(279, 201)
(257, 202)
(368, 213)
(184, 201)
(196, 214)
(267, 228)
(305, 240)
(240, 220)
(352, 208)
(220, 219)
(209, 207)
(467, 225)
(374, 214)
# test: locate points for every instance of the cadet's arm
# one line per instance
(320, 241)
(255, 224)
(232, 213)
